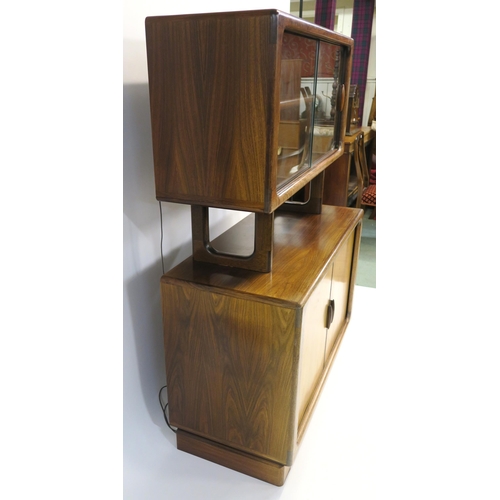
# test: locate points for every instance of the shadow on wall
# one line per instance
(138, 174)
(143, 332)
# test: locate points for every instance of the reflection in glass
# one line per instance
(309, 88)
(326, 116)
(298, 66)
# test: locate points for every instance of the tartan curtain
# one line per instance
(362, 20)
(324, 14)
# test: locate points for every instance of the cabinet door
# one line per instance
(312, 349)
(341, 281)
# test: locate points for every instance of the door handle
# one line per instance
(330, 313)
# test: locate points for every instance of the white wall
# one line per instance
(142, 324)
(343, 20)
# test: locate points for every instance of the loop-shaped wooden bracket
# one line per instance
(313, 198)
(203, 250)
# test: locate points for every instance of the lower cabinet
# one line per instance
(247, 353)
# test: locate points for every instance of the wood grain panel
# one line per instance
(246, 352)
(228, 457)
(212, 85)
(231, 369)
(304, 244)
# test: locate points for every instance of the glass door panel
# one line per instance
(327, 116)
(297, 97)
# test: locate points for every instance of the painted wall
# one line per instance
(142, 268)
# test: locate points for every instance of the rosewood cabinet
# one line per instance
(246, 107)
(247, 353)
(247, 111)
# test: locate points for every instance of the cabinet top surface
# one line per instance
(304, 245)
(284, 17)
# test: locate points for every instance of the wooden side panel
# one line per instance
(232, 369)
(340, 290)
(212, 83)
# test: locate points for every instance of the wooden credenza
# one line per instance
(246, 352)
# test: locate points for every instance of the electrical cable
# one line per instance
(164, 409)
(161, 239)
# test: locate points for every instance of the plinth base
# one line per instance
(257, 467)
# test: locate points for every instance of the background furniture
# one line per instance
(368, 190)
(342, 183)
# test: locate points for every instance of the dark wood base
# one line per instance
(257, 467)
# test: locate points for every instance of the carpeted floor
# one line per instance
(366, 274)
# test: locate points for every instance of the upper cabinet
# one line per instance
(246, 107)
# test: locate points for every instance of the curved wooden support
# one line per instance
(203, 250)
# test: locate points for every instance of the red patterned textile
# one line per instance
(362, 20)
(373, 173)
(300, 47)
(370, 196)
(324, 14)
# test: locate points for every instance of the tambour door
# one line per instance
(339, 297)
(313, 341)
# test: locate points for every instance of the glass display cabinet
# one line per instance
(247, 111)
(246, 107)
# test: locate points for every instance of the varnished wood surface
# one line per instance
(303, 248)
(231, 370)
(247, 353)
(250, 465)
(369, 134)
(214, 82)
(257, 258)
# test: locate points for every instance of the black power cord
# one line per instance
(161, 239)
(164, 409)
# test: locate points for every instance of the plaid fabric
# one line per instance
(324, 14)
(370, 196)
(362, 20)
